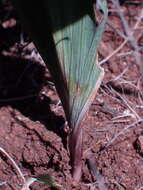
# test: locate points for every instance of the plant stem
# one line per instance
(75, 148)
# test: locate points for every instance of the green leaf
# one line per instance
(77, 45)
(73, 62)
(42, 178)
(48, 179)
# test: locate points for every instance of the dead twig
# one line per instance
(2, 183)
(95, 172)
(120, 186)
(125, 41)
(113, 53)
(129, 34)
(118, 77)
(115, 29)
(126, 103)
(120, 121)
(122, 132)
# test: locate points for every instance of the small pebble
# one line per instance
(139, 145)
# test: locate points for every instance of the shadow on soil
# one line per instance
(21, 81)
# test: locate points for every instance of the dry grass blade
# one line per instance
(126, 103)
(122, 132)
(14, 164)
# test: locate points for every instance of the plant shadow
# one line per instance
(21, 81)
